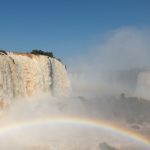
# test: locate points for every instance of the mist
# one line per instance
(115, 63)
(98, 78)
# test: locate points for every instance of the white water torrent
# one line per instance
(24, 75)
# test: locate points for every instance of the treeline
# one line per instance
(40, 52)
(37, 52)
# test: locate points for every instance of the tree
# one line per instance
(40, 52)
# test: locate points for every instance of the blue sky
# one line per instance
(66, 27)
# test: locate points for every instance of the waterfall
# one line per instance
(24, 75)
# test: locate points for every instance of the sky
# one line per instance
(66, 27)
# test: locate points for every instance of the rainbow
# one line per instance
(95, 123)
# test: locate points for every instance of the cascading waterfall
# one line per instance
(24, 75)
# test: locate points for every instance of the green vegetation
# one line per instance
(40, 52)
(37, 52)
(49, 54)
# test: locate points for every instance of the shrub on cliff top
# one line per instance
(49, 54)
(40, 52)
